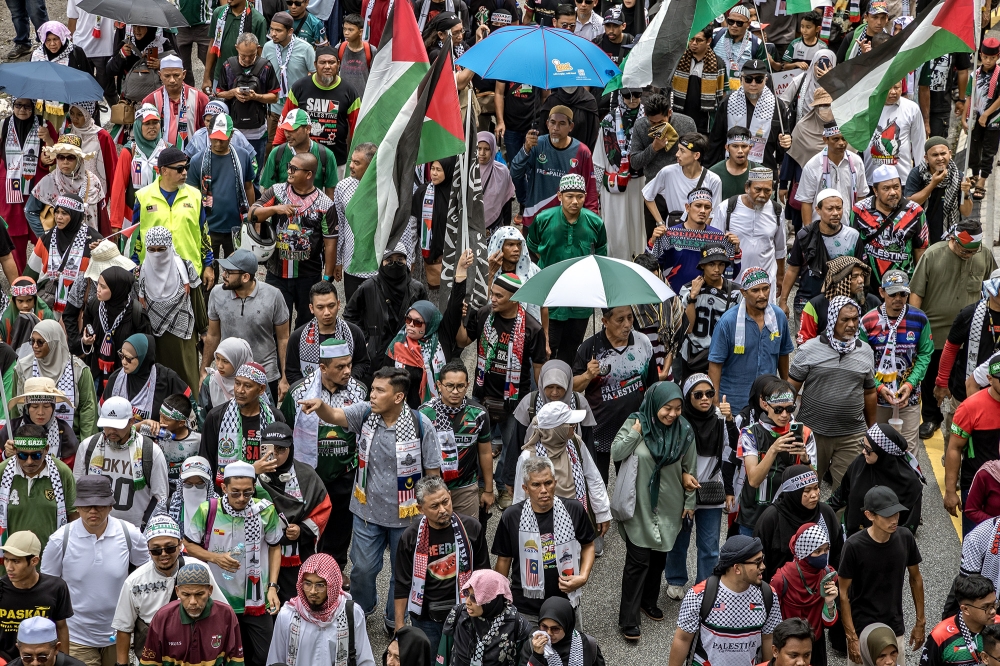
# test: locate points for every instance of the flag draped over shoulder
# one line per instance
(859, 86)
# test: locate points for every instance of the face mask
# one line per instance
(394, 271)
(818, 562)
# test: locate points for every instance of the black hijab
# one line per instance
(21, 128)
(634, 17)
(414, 648)
(560, 610)
(791, 513)
(439, 214)
(708, 427)
(120, 283)
(891, 470)
(66, 235)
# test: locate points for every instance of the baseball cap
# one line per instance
(147, 111)
(555, 414)
(882, 501)
(23, 544)
(878, 7)
(116, 412)
(240, 260)
(613, 16)
(993, 365)
(295, 119)
(222, 127)
(754, 67)
(896, 281)
(196, 466)
(94, 490)
(277, 433)
(711, 253)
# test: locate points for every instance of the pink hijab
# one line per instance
(498, 188)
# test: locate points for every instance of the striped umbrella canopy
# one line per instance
(593, 282)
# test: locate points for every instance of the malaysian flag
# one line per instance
(531, 573)
(407, 495)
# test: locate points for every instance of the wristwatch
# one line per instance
(275, 586)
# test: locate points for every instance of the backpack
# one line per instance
(731, 206)
(279, 153)
(708, 601)
(368, 52)
(147, 471)
(251, 113)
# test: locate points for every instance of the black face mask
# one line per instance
(394, 272)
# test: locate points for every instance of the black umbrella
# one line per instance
(152, 13)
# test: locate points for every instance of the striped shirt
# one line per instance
(833, 386)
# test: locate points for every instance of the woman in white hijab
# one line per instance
(196, 487)
(217, 388)
(823, 61)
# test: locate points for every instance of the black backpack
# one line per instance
(251, 114)
(712, 591)
(147, 470)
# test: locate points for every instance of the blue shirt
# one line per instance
(760, 356)
(225, 212)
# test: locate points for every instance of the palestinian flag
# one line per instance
(665, 40)
(397, 69)
(126, 243)
(859, 86)
(394, 166)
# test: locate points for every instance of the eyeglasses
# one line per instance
(867, 450)
(397, 262)
(38, 658)
(34, 455)
(179, 169)
(698, 395)
(27, 107)
(988, 609)
(35, 342)
(237, 493)
(734, 22)
(226, 272)
(781, 409)
(755, 563)
(754, 78)
(309, 585)
(294, 169)
(125, 357)
(169, 550)
(455, 388)
(412, 321)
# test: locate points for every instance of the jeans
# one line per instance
(507, 465)
(707, 524)
(367, 548)
(295, 291)
(746, 531)
(20, 12)
(429, 627)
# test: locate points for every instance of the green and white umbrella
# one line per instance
(593, 282)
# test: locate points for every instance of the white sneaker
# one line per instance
(675, 592)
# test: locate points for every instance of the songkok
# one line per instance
(559, 108)
(284, 18)
(508, 281)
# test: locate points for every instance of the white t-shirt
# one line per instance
(93, 569)
(671, 183)
(840, 243)
(732, 632)
(84, 35)
(898, 139)
(848, 178)
(130, 504)
(762, 238)
(146, 591)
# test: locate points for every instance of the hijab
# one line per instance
(21, 127)
(55, 361)
(439, 209)
(146, 146)
(89, 135)
(666, 444)
(145, 354)
(162, 273)
(560, 610)
(491, 590)
(892, 469)
(393, 280)
(803, 594)
(791, 513)
(708, 427)
(810, 82)
(59, 30)
(558, 373)
(238, 352)
(634, 17)
(498, 187)
(80, 182)
(807, 136)
(875, 638)
(414, 648)
(66, 235)
(120, 282)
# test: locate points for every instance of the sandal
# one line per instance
(978, 193)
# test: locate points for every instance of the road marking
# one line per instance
(935, 451)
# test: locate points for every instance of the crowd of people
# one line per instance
(215, 483)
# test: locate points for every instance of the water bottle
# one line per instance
(163, 434)
(237, 554)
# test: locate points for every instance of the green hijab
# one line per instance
(142, 143)
(665, 443)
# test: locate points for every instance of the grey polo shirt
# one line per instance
(382, 507)
(253, 319)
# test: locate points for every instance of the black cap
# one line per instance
(882, 501)
(711, 253)
(754, 67)
(277, 433)
(613, 16)
(170, 155)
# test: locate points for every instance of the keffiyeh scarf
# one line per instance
(231, 444)
(309, 342)
(617, 132)
(759, 123)
(489, 347)
(811, 539)
(579, 480)
(887, 371)
(976, 335)
(134, 446)
(426, 220)
(253, 530)
(306, 430)
(21, 161)
(836, 305)
(67, 274)
(408, 460)
(444, 424)
(105, 354)
(463, 557)
(567, 550)
(952, 186)
(879, 439)
(552, 657)
(142, 402)
(7, 481)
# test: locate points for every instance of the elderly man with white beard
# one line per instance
(756, 221)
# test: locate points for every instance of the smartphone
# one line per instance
(89, 330)
(244, 89)
(824, 63)
(796, 429)
(154, 52)
(266, 451)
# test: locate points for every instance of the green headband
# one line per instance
(995, 368)
(30, 443)
(172, 413)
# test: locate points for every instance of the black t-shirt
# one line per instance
(6, 244)
(933, 207)
(959, 336)
(616, 52)
(300, 250)
(876, 573)
(332, 109)
(442, 565)
(48, 598)
(519, 106)
(496, 374)
(506, 543)
(476, 7)
(293, 362)
(545, 11)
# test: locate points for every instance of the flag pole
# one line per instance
(767, 59)
(970, 103)
(464, 165)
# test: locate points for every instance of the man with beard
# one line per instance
(845, 276)
(379, 304)
(313, 622)
(756, 220)
(333, 383)
(303, 353)
(264, 324)
(893, 229)
(754, 106)
(935, 184)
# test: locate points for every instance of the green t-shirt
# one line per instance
(255, 23)
(554, 239)
(337, 447)
(196, 12)
(473, 429)
(731, 185)
(35, 509)
(326, 176)
(311, 29)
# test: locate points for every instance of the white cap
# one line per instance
(239, 468)
(116, 412)
(827, 193)
(196, 466)
(171, 62)
(883, 173)
(557, 413)
(36, 631)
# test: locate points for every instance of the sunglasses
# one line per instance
(37, 658)
(37, 343)
(178, 169)
(24, 106)
(34, 455)
(754, 78)
(169, 550)
(736, 23)
(294, 169)
(65, 157)
(295, 4)
(698, 395)
(412, 321)
(244, 493)
(125, 357)
(781, 409)
(585, 2)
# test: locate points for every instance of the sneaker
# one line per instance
(927, 429)
(505, 499)
(653, 613)
(631, 634)
(599, 547)
(18, 51)
(675, 592)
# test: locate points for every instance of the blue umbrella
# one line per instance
(543, 57)
(49, 80)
